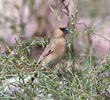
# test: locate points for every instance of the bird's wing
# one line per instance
(44, 54)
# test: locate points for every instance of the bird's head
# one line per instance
(61, 31)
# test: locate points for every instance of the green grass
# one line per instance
(84, 77)
(62, 82)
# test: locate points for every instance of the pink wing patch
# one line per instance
(45, 53)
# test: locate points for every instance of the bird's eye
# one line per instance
(65, 30)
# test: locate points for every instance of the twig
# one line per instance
(102, 37)
(94, 32)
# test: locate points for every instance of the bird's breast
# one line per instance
(58, 47)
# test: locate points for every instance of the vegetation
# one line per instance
(76, 77)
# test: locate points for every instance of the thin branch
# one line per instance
(102, 37)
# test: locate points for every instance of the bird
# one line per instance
(55, 50)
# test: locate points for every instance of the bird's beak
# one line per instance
(67, 28)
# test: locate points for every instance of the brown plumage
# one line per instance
(55, 51)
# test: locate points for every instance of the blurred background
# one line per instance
(31, 18)
(25, 29)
